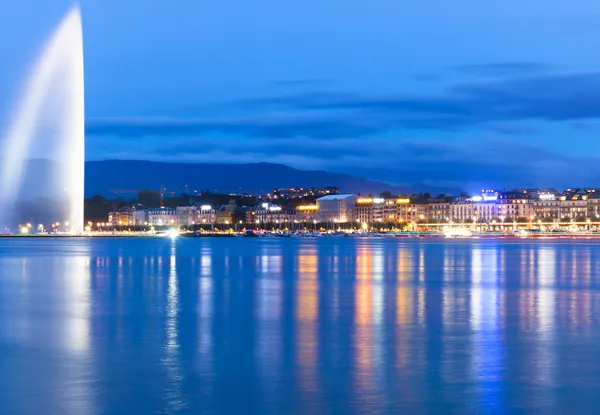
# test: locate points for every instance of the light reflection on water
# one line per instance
(298, 326)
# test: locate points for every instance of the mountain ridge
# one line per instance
(261, 177)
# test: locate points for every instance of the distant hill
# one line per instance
(102, 176)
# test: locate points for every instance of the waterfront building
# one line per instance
(439, 210)
(411, 211)
(122, 217)
(206, 215)
(271, 214)
(364, 211)
(162, 217)
(369, 209)
(593, 204)
(516, 205)
(574, 205)
(186, 215)
(306, 213)
(127, 216)
(336, 208)
(482, 208)
(224, 215)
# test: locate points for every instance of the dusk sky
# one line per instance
(463, 93)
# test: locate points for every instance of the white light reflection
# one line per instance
(76, 393)
(205, 312)
(78, 297)
(546, 303)
(487, 342)
(378, 314)
(174, 392)
(269, 303)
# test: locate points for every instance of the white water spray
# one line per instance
(59, 70)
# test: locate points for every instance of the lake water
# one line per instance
(298, 326)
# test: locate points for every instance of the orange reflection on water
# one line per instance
(404, 291)
(404, 312)
(307, 310)
(363, 337)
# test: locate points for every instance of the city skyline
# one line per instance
(486, 96)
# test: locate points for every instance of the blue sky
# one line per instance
(465, 93)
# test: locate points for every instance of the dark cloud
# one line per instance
(426, 77)
(503, 106)
(545, 97)
(501, 69)
(497, 162)
(302, 82)
(367, 134)
(267, 126)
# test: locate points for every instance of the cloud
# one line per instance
(273, 126)
(461, 134)
(302, 82)
(496, 162)
(545, 96)
(502, 106)
(501, 69)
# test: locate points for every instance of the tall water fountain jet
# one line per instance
(58, 74)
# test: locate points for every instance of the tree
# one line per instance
(149, 198)
(386, 195)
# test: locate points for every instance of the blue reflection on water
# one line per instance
(126, 326)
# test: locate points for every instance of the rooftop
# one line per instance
(336, 197)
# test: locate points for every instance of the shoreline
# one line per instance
(410, 236)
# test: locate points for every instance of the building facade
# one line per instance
(336, 208)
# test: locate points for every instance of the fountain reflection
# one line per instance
(78, 396)
(77, 271)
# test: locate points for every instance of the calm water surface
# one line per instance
(286, 326)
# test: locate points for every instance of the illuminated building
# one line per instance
(271, 214)
(306, 213)
(336, 208)
(303, 192)
(186, 215)
(479, 208)
(368, 209)
(161, 217)
(127, 216)
(517, 205)
(206, 214)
